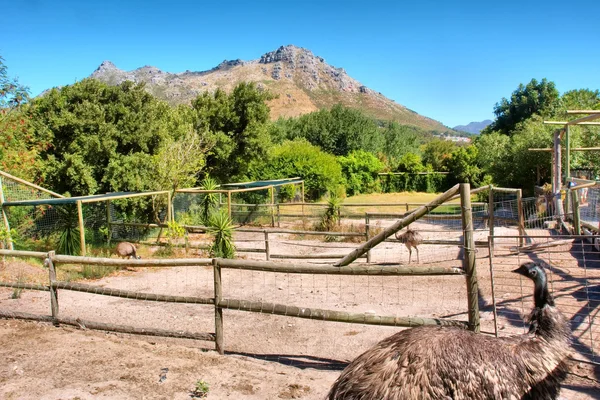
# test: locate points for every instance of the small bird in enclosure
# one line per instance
(126, 250)
(410, 238)
(439, 362)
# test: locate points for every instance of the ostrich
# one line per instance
(411, 239)
(453, 363)
(126, 250)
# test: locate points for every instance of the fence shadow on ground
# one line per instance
(297, 361)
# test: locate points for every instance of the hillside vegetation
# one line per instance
(300, 82)
(91, 137)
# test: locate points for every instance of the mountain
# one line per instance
(302, 82)
(473, 127)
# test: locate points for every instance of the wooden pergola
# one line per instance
(556, 149)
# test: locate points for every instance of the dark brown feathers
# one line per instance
(452, 363)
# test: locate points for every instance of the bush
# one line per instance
(321, 171)
(360, 170)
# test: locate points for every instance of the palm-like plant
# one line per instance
(210, 201)
(68, 224)
(220, 226)
(332, 214)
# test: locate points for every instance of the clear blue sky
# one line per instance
(448, 60)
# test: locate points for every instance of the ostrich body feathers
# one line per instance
(452, 363)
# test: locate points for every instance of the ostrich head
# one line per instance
(537, 274)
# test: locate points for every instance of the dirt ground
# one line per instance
(267, 356)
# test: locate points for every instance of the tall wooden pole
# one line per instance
(412, 217)
(469, 256)
(568, 154)
(81, 228)
(557, 181)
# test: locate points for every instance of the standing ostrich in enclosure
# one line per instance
(126, 250)
(411, 239)
(453, 363)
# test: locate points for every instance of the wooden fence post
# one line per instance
(491, 252)
(367, 235)
(81, 228)
(5, 219)
(53, 290)
(520, 216)
(491, 210)
(576, 215)
(278, 216)
(469, 256)
(267, 251)
(272, 190)
(229, 203)
(108, 217)
(218, 310)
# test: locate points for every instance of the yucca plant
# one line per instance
(221, 228)
(210, 201)
(331, 217)
(68, 224)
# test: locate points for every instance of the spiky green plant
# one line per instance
(210, 201)
(68, 225)
(221, 228)
(331, 217)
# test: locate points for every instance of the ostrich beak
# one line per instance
(522, 270)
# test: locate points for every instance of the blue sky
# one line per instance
(448, 60)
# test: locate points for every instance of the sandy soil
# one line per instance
(267, 356)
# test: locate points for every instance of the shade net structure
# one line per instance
(247, 203)
(67, 224)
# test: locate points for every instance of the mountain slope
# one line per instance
(301, 81)
(473, 127)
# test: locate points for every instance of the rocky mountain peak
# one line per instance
(106, 66)
(302, 82)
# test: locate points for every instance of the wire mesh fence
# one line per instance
(573, 267)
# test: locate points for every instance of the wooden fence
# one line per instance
(342, 267)
(51, 260)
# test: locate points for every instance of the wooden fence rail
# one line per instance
(219, 303)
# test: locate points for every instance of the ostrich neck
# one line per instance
(541, 295)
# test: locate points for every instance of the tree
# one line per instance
(321, 171)
(463, 167)
(237, 125)
(338, 131)
(400, 140)
(19, 148)
(105, 138)
(540, 98)
(12, 93)
(360, 169)
(437, 152)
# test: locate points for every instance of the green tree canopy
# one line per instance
(321, 171)
(540, 98)
(238, 125)
(19, 147)
(360, 169)
(104, 138)
(437, 152)
(338, 131)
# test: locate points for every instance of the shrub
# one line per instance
(360, 169)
